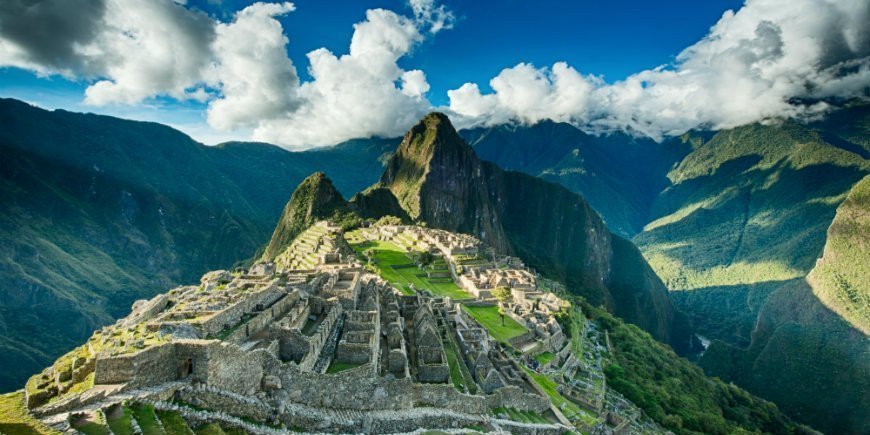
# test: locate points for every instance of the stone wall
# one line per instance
(147, 367)
(233, 314)
(265, 318)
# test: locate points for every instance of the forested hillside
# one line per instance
(98, 212)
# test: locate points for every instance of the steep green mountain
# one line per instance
(677, 394)
(737, 233)
(313, 200)
(841, 278)
(810, 351)
(619, 175)
(438, 179)
(96, 212)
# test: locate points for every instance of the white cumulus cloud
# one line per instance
(753, 65)
(359, 94)
(255, 78)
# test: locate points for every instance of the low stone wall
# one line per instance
(233, 314)
(264, 319)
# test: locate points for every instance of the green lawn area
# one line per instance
(393, 265)
(209, 429)
(568, 408)
(336, 367)
(578, 321)
(491, 320)
(14, 419)
(544, 357)
(147, 420)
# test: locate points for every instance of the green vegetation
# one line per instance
(209, 429)
(567, 407)
(146, 418)
(739, 232)
(89, 426)
(336, 367)
(119, 418)
(841, 279)
(14, 419)
(489, 317)
(544, 357)
(675, 393)
(459, 374)
(173, 423)
(393, 264)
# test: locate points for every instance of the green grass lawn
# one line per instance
(459, 374)
(14, 419)
(544, 357)
(147, 419)
(393, 265)
(336, 367)
(568, 408)
(492, 321)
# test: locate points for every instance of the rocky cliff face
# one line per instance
(438, 179)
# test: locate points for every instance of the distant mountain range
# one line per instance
(98, 212)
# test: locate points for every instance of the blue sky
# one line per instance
(591, 63)
(613, 39)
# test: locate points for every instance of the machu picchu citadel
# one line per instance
(321, 340)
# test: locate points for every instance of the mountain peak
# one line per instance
(316, 198)
(432, 149)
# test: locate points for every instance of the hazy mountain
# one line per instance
(97, 212)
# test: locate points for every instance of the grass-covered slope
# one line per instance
(96, 212)
(748, 208)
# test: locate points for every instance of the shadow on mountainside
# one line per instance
(805, 358)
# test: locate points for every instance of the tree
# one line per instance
(505, 297)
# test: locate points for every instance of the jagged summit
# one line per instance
(316, 198)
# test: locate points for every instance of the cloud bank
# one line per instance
(764, 61)
(772, 58)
